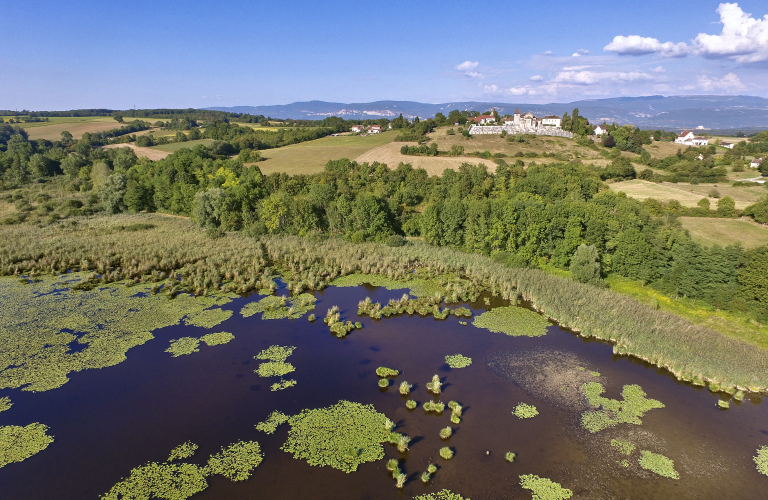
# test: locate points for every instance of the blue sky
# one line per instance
(88, 54)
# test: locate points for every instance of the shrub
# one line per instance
(446, 433)
(395, 241)
(446, 453)
(411, 404)
(383, 383)
(386, 372)
(585, 265)
(405, 388)
(523, 410)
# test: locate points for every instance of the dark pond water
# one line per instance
(106, 422)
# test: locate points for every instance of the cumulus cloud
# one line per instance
(658, 69)
(729, 82)
(548, 53)
(518, 90)
(595, 77)
(743, 39)
(495, 89)
(468, 68)
(634, 45)
(580, 52)
(536, 78)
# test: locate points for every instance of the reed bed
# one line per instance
(178, 254)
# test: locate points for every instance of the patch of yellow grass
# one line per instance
(726, 232)
(689, 195)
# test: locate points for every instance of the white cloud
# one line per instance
(580, 52)
(743, 39)
(595, 77)
(634, 45)
(658, 69)
(495, 89)
(468, 67)
(575, 68)
(548, 53)
(518, 90)
(729, 82)
(537, 78)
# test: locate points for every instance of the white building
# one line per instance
(699, 141)
(482, 119)
(374, 129)
(600, 130)
(728, 145)
(688, 138)
(522, 124)
(756, 162)
(357, 128)
(552, 121)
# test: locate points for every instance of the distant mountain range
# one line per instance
(674, 112)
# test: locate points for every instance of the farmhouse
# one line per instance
(728, 145)
(482, 119)
(756, 162)
(600, 130)
(374, 129)
(688, 138)
(357, 128)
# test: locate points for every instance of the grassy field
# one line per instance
(150, 153)
(725, 232)
(76, 126)
(175, 146)
(687, 194)
(310, 157)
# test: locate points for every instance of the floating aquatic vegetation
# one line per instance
(624, 447)
(392, 464)
(441, 495)
(400, 480)
(624, 464)
(543, 488)
(435, 385)
(5, 404)
(463, 323)
(436, 407)
(405, 388)
(154, 480)
(342, 436)
(613, 412)
(219, 338)
(510, 456)
(446, 432)
(383, 383)
(462, 312)
(19, 443)
(311, 318)
(208, 318)
(761, 460)
(274, 369)
(283, 384)
(274, 420)
(411, 404)
(458, 361)
(455, 419)
(237, 460)
(432, 468)
(39, 322)
(446, 453)
(276, 353)
(273, 307)
(723, 404)
(658, 464)
(386, 372)
(523, 410)
(402, 443)
(184, 450)
(595, 374)
(425, 477)
(183, 346)
(514, 321)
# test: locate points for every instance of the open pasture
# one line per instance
(724, 232)
(689, 195)
(434, 165)
(310, 157)
(76, 126)
(150, 153)
(175, 146)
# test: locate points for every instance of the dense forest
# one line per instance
(557, 214)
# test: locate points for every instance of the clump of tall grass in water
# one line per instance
(446, 433)
(458, 361)
(658, 464)
(455, 419)
(510, 456)
(436, 407)
(613, 412)
(386, 372)
(405, 388)
(543, 488)
(402, 443)
(435, 385)
(761, 460)
(446, 453)
(523, 410)
(273, 307)
(383, 383)
(411, 404)
(392, 464)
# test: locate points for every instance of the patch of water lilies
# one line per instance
(5, 404)
(183, 480)
(283, 384)
(513, 320)
(510, 456)
(273, 307)
(270, 425)
(623, 447)
(274, 365)
(446, 453)
(188, 345)
(19, 443)
(761, 460)
(458, 361)
(208, 318)
(543, 488)
(658, 464)
(219, 338)
(523, 410)
(386, 372)
(411, 404)
(184, 450)
(342, 436)
(274, 369)
(613, 412)
(441, 495)
(276, 353)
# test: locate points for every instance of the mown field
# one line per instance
(689, 195)
(76, 126)
(310, 157)
(175, 146)
(723, 232)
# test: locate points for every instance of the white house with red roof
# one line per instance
(685, 137)
(600, 130)
(357, 128)
(756, 162)
(374, 129)
(482, 119)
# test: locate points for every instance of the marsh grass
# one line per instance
(435, 386)
(386, 372)
(613, 412)
(723, 405)
(283, 384)
(514, 321)
(446, 433)
(273, 307)
(440, 495)
(446, 453)
(523, 410)
(458, 361)
(623, 447)
(411, 404)
(273, 421)
(400, 480)
(405, 388)
(236, 461)
(383, 383)
(342, 436)
(425, 477)
(658, 464)
(455, 419)
(761, 460)
(543, 488)
(19, 443)
(392, 464)
(184, 450)
(432, 468)
(510, 456)
(435, 406)
(183, 346)
(402, 443)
